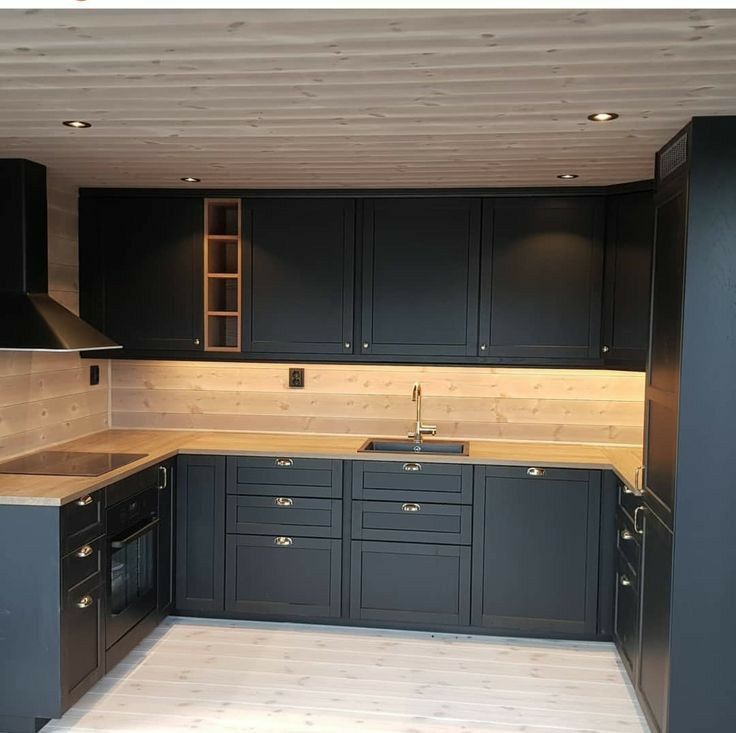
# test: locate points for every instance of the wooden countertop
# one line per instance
(160, 445)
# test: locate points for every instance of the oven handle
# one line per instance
(145, 529)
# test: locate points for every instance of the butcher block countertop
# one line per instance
(160, 445)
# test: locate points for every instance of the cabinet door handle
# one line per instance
(83, 552)
(411, 507)
(283, 501)
(535, 472)
(282, 541)
(636, 520)
(85, 501)
(627, 490)
(625, 581)
(483, 347)
(163, 473)
(284, 462)
(412, 467)
(604, 349)
(626, 535)
(85, 602)
(197, 342)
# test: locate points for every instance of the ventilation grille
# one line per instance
(673, 157)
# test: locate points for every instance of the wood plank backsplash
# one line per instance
(465, 402)
(45, 398)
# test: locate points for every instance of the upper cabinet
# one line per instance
(541, 278)
(299, 275)
(420, 277)
(140, 272)
(627, 279)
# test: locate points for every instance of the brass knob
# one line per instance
(284, 462)
(411, 507)
(483, 347)
(605, 349)
(412, 467)
(626, 535)
(625, 581)
(85, 501)
(283, 501)
(347, 344)
(282, 541)
(365, 344)
(196, 342)
(85, 602)
(85, 551)
(535, 472)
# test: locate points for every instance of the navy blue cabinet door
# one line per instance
(535, 550)
(420, 276)
(141, 270)
(541, 278)
(299, 275)
(200, 534)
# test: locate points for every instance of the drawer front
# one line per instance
(285, 476)
(626, 621)
(267, 576)
(410, 584)
(82, 521)
(628, 500)
(412, 522)
(82, 563)
(628, 540)
(284, 515)
(413, 481)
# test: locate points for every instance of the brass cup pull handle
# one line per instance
(535, 472)
(627, 490)
(283, 501)
(412, 467)
(625, 581)
(284, 462)
(85, 501)
(411, 507)
(85, 551)
(283, 541)
(626, 535)
(85, 602)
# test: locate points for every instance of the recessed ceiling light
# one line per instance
(568, 176)
(77, 124)
(190, 179)
(602, 117)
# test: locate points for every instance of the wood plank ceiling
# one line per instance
(337, 98)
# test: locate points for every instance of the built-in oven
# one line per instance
(132, 583)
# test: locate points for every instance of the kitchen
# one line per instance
(367, 369)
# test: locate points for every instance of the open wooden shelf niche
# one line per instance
(222, 274)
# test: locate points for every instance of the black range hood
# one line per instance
(30, 320)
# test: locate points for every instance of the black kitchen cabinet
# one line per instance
(166, 538)
(299, 275)
(656, 589)
(410, 584)
(284, 576)
(200, 534)
(141, 270)
(627, 278)
(541, 278)
(535, 550)
(420, 277)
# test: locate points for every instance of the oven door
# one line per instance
(132, 581)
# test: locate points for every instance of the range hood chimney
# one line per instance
(30, 320)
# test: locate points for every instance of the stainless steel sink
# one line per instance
(441, 447)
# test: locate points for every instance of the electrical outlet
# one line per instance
(94, 374)
(296, 377)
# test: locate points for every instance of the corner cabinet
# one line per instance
(541, 278)
(140, 270)
(420, 277)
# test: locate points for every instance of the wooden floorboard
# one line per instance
(195, 675)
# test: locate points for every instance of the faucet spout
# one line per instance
(420, 429)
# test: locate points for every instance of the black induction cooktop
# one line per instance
(68, 463)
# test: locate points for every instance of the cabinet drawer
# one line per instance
(82, 521)
(82, 563)
(412, 522)
(413, 481)
(627, 540)
(626, 622)
(283, 576)
(284, 515)
(285, 476)
(410, 584)
(628, 500)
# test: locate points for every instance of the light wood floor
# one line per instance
(193, 675)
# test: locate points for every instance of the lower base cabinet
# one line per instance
(626, 621)
(298, 577)
(535, 550)
(410, 584)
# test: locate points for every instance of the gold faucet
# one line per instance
(419, 429)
